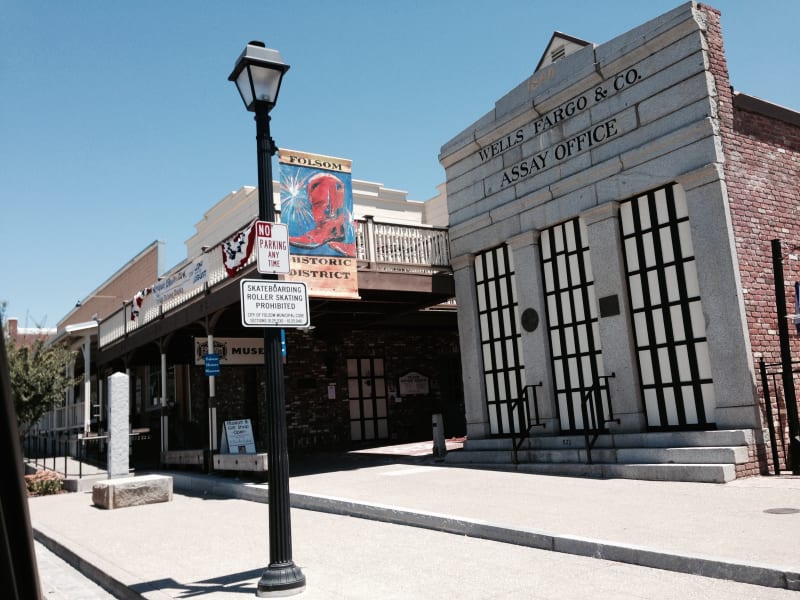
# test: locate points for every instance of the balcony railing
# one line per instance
(62, 418)
(401, 248)
(379, 247)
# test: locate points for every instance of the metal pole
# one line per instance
(212, 402)
(786, 359)
(282, 576)
(762, 367)
(164, 391)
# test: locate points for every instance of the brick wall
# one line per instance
(762, 173)
(140, 273)
(314, 362)
(26, 336)
(314, 420)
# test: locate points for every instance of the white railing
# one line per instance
(379, 246)
(75, 415)
(62, 418)
(402, 248)
(112, 328)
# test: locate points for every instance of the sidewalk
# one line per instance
(212, 539)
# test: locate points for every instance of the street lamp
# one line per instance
(258, 73)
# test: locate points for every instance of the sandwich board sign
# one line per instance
(237, 437)
(272, 248)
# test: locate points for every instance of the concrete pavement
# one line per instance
(212, 539)
(58, 580)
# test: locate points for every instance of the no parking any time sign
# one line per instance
(272, 247)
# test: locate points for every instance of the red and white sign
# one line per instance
(272, 247)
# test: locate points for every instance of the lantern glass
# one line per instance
(258, 74)
(266, 81)
(245, 89)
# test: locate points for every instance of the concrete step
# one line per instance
(698, 455)
(695, 473)
(671, 439)
(465, 456)
(702, 456)
(699, 473)
(579, 455)
(683, 439)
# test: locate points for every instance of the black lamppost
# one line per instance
(258, 73)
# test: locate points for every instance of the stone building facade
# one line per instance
(610, 227)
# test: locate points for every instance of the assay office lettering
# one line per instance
(538, 162)
(594, 135)
(501, 145)
(538, 126)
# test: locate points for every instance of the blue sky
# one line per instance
(118, 125)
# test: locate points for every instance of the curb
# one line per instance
(706, 566)
(775, 576)
(105, 576)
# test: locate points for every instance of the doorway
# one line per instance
(366, 387)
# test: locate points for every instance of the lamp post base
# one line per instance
(281, 579)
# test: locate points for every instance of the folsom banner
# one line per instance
(317, 207)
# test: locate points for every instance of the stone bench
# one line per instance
(183, 457)
(132, 491)
(241, 462)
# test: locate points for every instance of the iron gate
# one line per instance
(778, 413)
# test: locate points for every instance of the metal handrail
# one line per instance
(598, 416)
(523, 416)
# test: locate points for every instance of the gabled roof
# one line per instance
(558, 41)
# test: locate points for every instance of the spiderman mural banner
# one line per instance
(317, 208)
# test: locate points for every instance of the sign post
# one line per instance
(258, 73)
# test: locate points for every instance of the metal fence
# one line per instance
(68, 456)
(777, 413)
